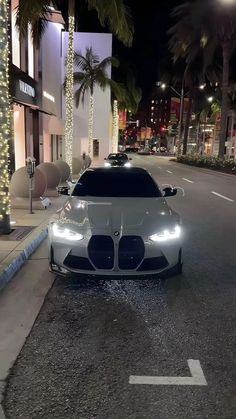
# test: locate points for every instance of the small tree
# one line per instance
(92, 72)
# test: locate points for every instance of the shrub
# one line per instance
(210, 162)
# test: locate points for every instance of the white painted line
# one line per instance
(159, 167)
(187, 180)
(222, 196)
(197, 377)
(168, 171)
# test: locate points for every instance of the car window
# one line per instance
(116, 184)
(119, 156)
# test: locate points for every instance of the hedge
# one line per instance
(209, 162)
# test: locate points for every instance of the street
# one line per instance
(93, 334)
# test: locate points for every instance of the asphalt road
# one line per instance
(91, 335)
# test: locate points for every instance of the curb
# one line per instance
(7, 274)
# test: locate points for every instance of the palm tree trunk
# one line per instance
(225, 103)
(187, 122)
(115, 127)
(70, 87)
(5, 121)
(90, 125)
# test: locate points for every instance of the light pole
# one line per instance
(181, 95)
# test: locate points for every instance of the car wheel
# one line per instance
(50, 258)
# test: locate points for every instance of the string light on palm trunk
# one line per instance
(90, 125)
(5, 111)
(115, 127)
(69, 94)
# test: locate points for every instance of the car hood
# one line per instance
(126, 215)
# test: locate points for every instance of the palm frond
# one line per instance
(34, 13)
(117, 16)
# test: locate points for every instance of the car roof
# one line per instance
(117, 169)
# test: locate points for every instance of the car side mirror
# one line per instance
(64, 190)
(168, 191)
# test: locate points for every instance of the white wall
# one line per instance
(102, 45)
(51, 85)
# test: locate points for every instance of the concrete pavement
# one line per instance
(14, 253)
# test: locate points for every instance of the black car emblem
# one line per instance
(116, 233)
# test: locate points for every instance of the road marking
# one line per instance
(159, 167)
(197, 377)
(187, 180)
(168, 171)
(222, 196)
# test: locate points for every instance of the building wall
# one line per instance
(53, 125)
(102, 46)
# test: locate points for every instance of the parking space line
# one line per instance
(187, 180)
(197, 377)
(222, 196)
(168, 171)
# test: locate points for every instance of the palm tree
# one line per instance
(5, 121)
(113, 13)
(91, 72)
(209, 26)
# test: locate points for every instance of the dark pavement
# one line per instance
(91, 335)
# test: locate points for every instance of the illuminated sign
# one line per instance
(26, 88)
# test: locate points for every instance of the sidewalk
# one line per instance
(16, 248)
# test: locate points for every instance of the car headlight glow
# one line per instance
(66, 233)
(106, 164)
(128, 164)
(167, 235)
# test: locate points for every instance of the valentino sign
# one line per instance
(26, 88)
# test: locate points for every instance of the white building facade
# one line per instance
(102, 125)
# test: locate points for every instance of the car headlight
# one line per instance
(66, 233)
(106, 164)
(128, 164)
(167, 235)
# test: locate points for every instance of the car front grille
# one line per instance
(131, 252)
(101, 252)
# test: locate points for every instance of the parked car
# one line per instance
(116, 222)
(117, 159)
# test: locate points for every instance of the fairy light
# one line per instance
(69, 94)
(5, 117)
(90, 125)
(115, 127)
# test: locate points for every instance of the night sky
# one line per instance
(151, 21)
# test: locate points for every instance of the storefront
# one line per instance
(26, 100)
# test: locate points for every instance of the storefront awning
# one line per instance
(34, 107)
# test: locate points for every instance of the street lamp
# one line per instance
(181, 95)
(210, 99)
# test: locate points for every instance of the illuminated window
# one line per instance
(151, 119)
(152, 101)
(152, 107)
(15, 35)
(30, 55)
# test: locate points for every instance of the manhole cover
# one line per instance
(17, 233)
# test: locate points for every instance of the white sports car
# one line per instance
(116, 222)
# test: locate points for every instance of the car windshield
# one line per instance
(117, 157)
(117, 184)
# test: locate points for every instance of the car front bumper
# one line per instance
(79, 258)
